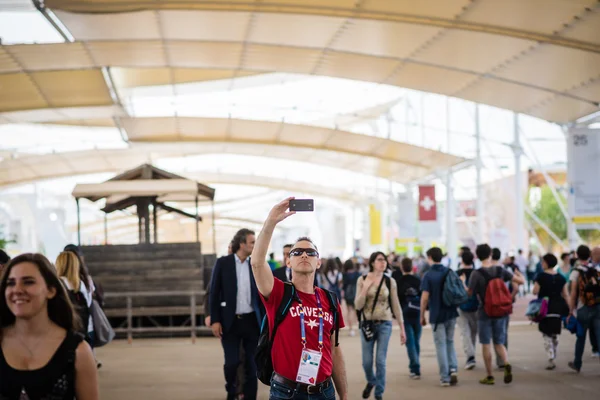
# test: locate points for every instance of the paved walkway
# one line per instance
(176, 369)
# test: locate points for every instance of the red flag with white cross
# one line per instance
(427, 204)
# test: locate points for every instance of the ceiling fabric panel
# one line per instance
(90, 123)
(257, 131)
(137, 77)
(503, 94)
(351, 66)
(133, 26)
(517, 14)
(292, 29)
(7, 62)
(588, 90)
(73, 88)
(204, 54)
(63, 114)
(430, 79)
(587, 28)
(380, 38)
(430, 8)
(553, 67)
(561, 107)
(472, 51)
(52, 56)
(128, 53)
(207, 26)
(289, 59)
(19, 92)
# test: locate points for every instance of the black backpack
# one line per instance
(412, 309)
(81, 309)
(264, 363)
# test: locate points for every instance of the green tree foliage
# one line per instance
(548, 210)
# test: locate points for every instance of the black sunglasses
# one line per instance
(309, 252)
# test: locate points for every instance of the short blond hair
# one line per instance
(67, 265)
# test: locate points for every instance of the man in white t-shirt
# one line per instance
(585, 298)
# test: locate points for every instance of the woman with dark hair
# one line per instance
(552, 285)
(41, 356)
(332, 278)
(377, 298)
(349, 279)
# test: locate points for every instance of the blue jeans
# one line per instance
(493, 329)
(587, 317)
(443, 338)
(282, 392)
(413, 344)
(383, 332)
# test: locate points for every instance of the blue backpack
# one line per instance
(453, 290)
(472, 304)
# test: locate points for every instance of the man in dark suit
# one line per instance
(236, 312)
(284, 273)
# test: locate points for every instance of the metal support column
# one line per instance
(479, 188)
(105, 229)
(193, 316)
(451, 240)
(78, 223)
(197, 222)
(155, 221)
(519, 197)
(573, 239)
(140, 236)
(214, 227)
(391, 206)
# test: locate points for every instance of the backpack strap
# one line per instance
(388, 283)
(486, 275)
(289, 294)
(333, 303)
(441, 299)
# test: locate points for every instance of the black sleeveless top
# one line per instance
(54, 381)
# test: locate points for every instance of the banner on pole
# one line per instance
(427, 203)
(429, 226)
(406, 215)
(375, 224)
(583, 150)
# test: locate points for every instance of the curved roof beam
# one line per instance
(359, 153)
(455, 14)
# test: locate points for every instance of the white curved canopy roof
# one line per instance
(538, 57)
(155, 138)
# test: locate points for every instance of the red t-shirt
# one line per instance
(287, 347)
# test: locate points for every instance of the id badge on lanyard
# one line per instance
(310, 360)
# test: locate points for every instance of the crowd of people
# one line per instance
(280, 323)
(371, 293)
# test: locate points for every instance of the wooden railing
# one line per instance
(130, 330)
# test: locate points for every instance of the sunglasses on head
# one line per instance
(309, 252)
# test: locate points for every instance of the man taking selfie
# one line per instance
(305, 357)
